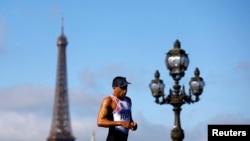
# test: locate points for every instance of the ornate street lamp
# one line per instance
(177, 62)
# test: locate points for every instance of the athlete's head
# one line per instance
(120, 85)
(120, 81)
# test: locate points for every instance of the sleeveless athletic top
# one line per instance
(121, 113)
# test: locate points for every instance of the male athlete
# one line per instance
(115, 112)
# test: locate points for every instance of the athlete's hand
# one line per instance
(126, 124)
(133, 125)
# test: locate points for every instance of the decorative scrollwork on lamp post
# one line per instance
(177, 62)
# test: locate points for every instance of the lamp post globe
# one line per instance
(177, 61)
(196, 83)
(157, 87)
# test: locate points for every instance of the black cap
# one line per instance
(120, 81)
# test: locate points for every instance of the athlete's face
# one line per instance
(121, 91)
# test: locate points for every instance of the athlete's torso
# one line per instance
(122, 112)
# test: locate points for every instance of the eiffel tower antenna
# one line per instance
(62, 25)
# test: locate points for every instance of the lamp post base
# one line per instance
(177, 134)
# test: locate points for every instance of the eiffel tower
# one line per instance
(61, 127)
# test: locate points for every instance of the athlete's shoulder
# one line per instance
(107, 100)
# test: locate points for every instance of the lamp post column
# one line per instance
(177, 133)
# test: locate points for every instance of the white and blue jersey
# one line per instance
(121, 113)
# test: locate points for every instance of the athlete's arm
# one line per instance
(133, 124)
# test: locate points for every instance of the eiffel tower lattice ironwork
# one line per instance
(61, 126)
